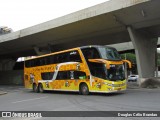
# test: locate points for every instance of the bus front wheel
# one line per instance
(40, 88)
(84, 89)
(35, 88)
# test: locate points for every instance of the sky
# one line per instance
(20, 14)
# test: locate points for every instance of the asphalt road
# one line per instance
(20, 99)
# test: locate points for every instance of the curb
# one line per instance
(2, 93)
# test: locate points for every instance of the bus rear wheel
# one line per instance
(84, 89)
(40, 88)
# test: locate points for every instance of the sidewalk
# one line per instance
(132, 85)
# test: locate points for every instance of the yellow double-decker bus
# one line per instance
(83, 69)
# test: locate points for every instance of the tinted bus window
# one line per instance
(29, 63)
(72, 56)
(109, 53)
(98, 70)
(91, 53)
(63, 75)
(66, 75)
(79, 75)
(47, 75)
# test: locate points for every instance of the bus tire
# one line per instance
(40, 88)
(35, 88)
(84, 90)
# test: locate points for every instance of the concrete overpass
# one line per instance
(128, 47)
(115, 21)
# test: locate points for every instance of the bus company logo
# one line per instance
(73, 53)
(21, 114)
(6, 114)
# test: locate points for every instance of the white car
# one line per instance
(133, 78)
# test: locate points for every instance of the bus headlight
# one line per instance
(47, 84)
(115, 85)
(98, 85)
(109, 84)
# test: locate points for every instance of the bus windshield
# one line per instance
(109, 53)
(98, 68)
(116, 72)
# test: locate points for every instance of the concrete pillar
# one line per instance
(11, 77)
(7, 64)
(8, 76)
(145, 49)
(41, 52)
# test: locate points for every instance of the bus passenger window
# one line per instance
(91, 53)
(47, 75)
(79, 75)
(75, 57)
(63, 75)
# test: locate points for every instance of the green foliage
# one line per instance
(132, 57)
(129, 56)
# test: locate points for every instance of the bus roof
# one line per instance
(63, 51)
(95, 46)
(53, 53)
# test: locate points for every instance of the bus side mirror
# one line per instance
(129, 63)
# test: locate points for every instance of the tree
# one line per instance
(132, 58)
(129, 56)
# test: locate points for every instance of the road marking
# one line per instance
(30, 99)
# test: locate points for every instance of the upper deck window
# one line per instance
(71, 56)
(91, 53)
(101, 53)
(109, 53)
